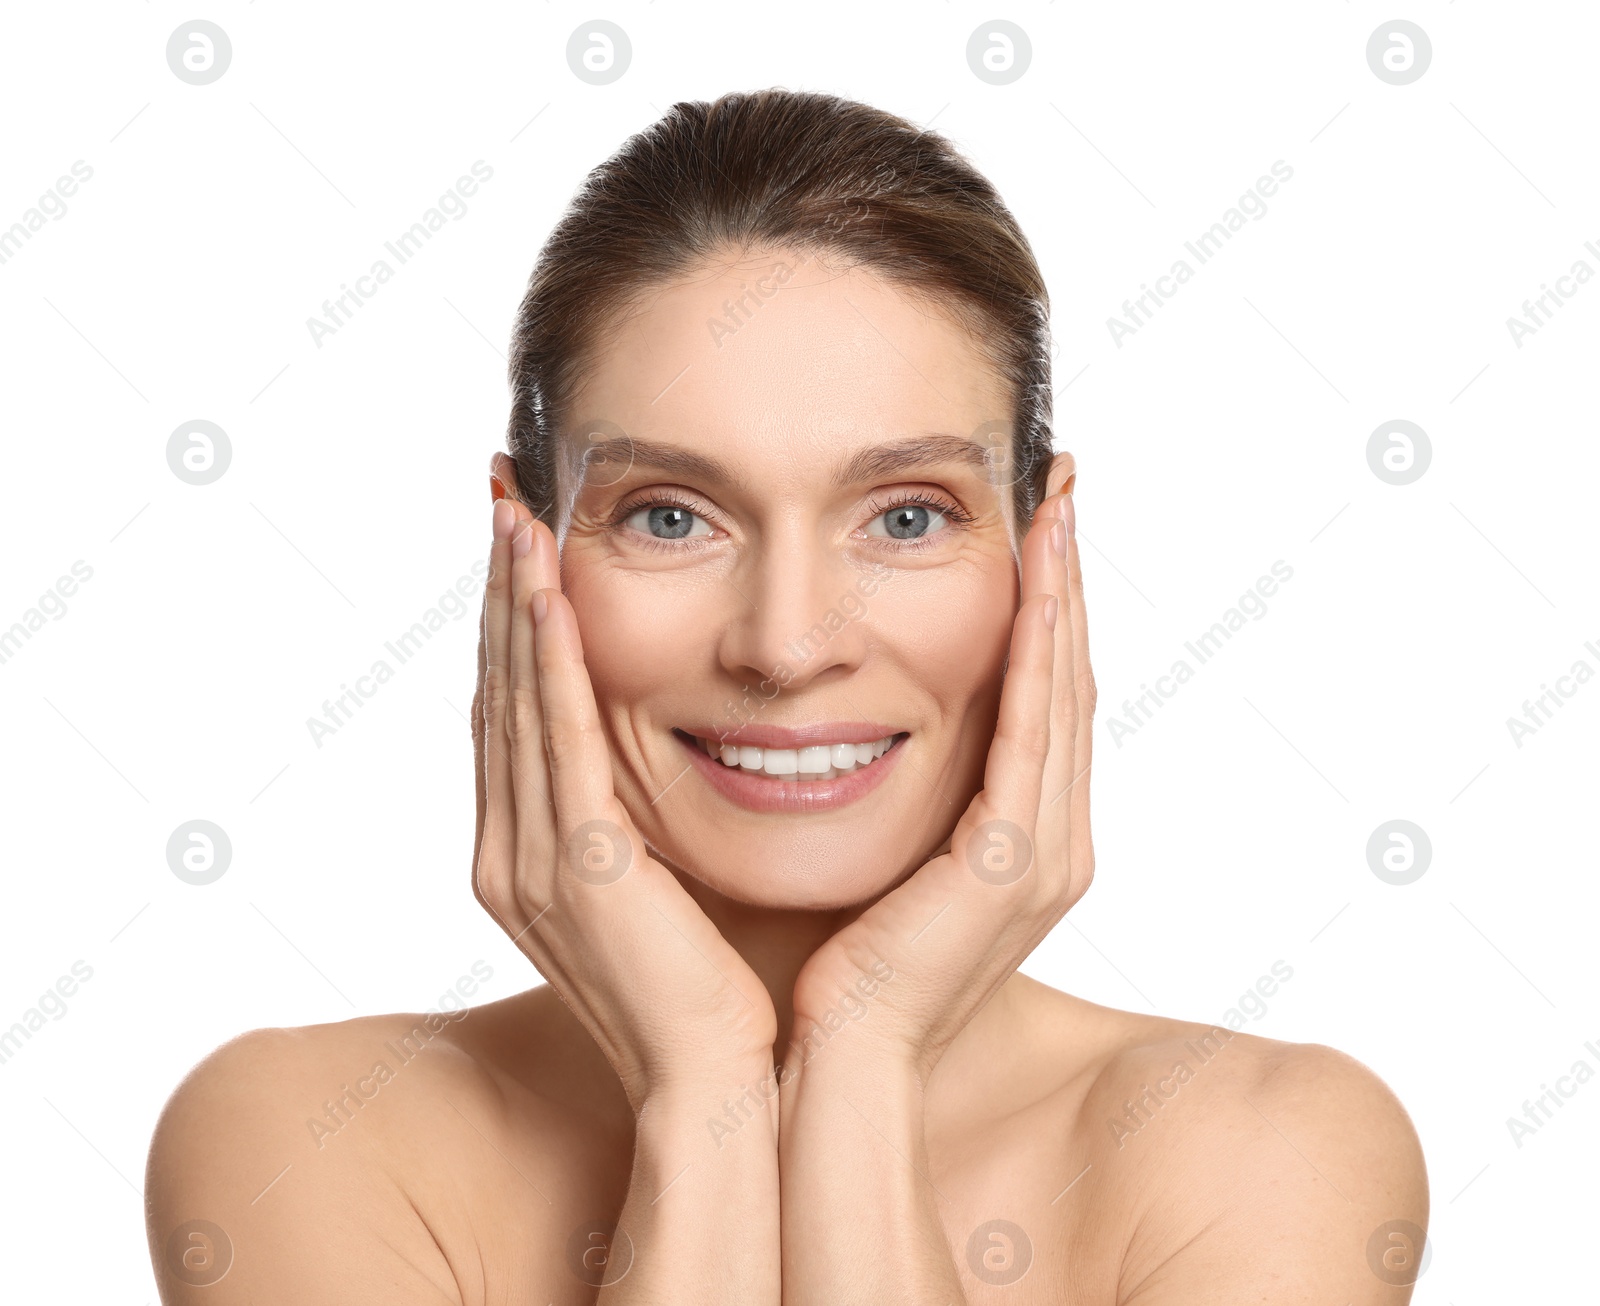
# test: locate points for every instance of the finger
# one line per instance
(1061, 766)
(575, 747)
(1014, 773)
(532, 567)
(1081, 847)
(480, 771)
(496, 847)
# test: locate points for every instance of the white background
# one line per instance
(1227, 434)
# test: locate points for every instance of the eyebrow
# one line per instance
(880, 462)
(884, 461)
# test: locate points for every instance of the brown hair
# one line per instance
(801, 170)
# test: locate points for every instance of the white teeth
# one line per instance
(780, 761)
(813, 762)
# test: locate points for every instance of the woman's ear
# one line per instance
(502, 477)
(1063, 473)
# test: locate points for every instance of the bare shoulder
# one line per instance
(298, 1164)
(1252, 1169)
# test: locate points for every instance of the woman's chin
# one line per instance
(768, 880)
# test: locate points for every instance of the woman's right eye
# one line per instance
(665, 521)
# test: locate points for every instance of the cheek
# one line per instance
(637, 637)
(950, 631)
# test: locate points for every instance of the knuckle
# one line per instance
(565, 738)
(1067, 710)
(521, 584)
(522, 716)
(492, 891)
(1033, 736)
(491, 699)
(1088, 693)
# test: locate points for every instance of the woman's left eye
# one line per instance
(667, 521)
(908, 521)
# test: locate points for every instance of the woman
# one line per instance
(782, 740)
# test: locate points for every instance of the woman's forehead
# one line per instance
(783, 348)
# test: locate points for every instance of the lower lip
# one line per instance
(796, 797)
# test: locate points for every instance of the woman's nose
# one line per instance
(795, 611)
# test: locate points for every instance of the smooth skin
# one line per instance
(790, 1057)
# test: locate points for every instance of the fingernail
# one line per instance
(541, 605)
(1058, 538)
(1052, 605)
(522, 541)
(1069, 515)
(1067, 487)
(505, 517)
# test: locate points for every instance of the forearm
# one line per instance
(860, 1213)
(701, 1215)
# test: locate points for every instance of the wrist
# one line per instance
(865, 1068)
(857, 1017)
(710, 1105)
(836, 1103)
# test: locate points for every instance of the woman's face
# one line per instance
(797, 541)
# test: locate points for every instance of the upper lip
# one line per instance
(771, 736)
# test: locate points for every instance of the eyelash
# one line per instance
(952, 512)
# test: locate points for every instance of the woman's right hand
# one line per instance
(558, 862)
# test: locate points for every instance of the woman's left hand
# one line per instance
(1018, 859)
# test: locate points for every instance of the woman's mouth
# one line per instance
(802, 765)
(817, 775)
